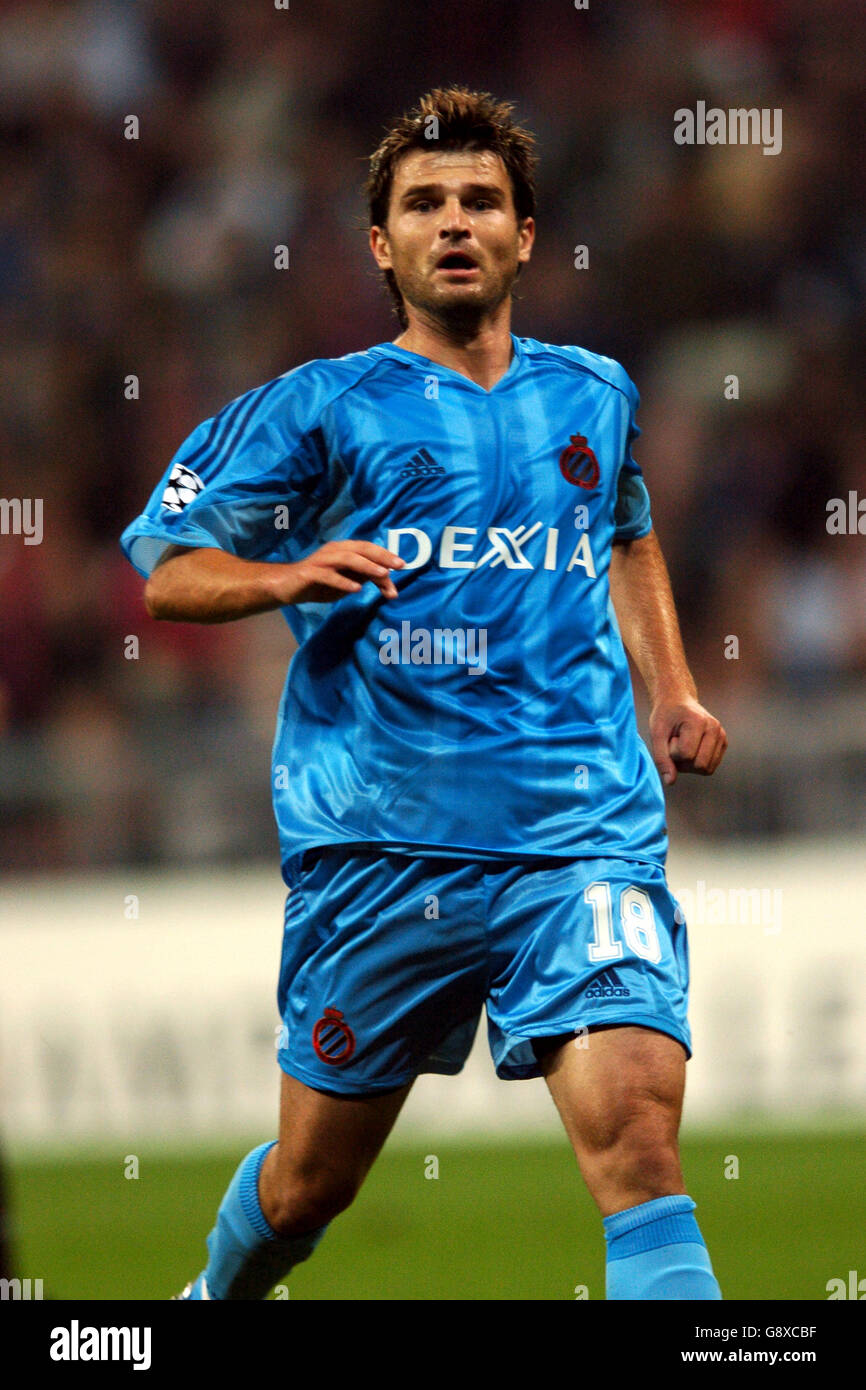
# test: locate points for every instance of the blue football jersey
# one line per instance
(487, 710)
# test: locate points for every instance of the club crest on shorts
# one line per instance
(578, 464)
(333, 1039)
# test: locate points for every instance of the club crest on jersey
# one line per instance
(183, 486)
(333, 1039)
(578, 464)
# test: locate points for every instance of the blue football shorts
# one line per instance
(388, 959)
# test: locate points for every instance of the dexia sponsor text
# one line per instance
(77, 1343)
(501, 545)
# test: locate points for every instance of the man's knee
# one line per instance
(638, 1157)
(303, 1199)
(647, 1155)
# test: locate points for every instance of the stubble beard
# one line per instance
(460, 314)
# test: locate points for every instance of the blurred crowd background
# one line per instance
(154, 257)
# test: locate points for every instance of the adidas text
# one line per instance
(608, 987)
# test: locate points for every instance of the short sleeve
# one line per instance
(632, 516)
(251, 481)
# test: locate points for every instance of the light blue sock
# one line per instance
(656, 1251)
(246, 1257)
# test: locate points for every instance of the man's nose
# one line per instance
(454, 218)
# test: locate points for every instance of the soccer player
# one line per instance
(460, 539)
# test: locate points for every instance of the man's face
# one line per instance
(452, 236)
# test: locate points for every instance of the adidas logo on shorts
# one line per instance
(608, 986)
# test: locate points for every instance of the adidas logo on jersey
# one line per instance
(422, 465)
(608, 986)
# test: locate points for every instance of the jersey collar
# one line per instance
(416, 359)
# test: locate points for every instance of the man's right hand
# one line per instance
(211, 586)
(339, 568)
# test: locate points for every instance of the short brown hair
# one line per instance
(461, 120)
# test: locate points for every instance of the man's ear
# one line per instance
(379, 247)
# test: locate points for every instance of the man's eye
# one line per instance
(483, 203)
(422, 205)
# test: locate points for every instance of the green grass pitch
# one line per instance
(501, 1221)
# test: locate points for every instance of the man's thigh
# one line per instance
(331, 1138)
(611, 1078)
(619, 1093)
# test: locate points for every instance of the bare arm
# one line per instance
(210, 586)
(685, 736)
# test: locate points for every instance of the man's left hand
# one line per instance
(685, 738)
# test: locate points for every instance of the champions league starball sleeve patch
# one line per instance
(183, 486)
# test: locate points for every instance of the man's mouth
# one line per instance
(457, 263)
